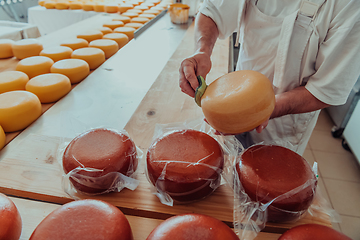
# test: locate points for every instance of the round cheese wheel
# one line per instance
(75, 5)
(269, 171)
(34, 66)
(57, 53)
(75, 69)
(61, 5)
(124, 19)
(121, 38)
(149, 16)
(173, 163)
(113, 24)
(49, 4)
(192, 226)
(90, 35)
(130, 14)
(49, 87)
(238, 102)
(124, 7)
(147, 4)
(41, 2)
(18, 109)
(105, 30)
(75, 43)
(82, 220)
(141, 20)
(313, 232)
(98, 7)
(142, 7)
(111, 8)
(2, 139)
(6, 48)
(110, 47)
(138, 11)
(128, 31)
(93, 56)
(102, 149)
(12, 80)
(26, 48)
(10, 219)
(152, 11)
(158, 8)
(87, 6)
(134, 25)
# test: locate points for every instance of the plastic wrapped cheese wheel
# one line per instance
(192, 227)
(238, 102)
(75, 69)
(49, 87)
(57, 53)
(313, 232)
(185, 164)
(105, 153)
(120, 38)
(90, 35)
(270, 173)
(34, 66)
(12, 80)
(6, 48)
(110, 47)
(93, 56)
(128, 31)
(26, 48)
(83, 220)
(10, 219)
(18, 109)
(75, 43)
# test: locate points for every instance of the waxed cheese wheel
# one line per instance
(49, 87)
(142, 7)
(113, 24)
(192, 226)
(152, 11)
(34, 66)
(75, 5)
(313, 232)
(57, 53)
(149, 16)
(110, 47)
(12, 80)
(124, 7)
(102, 149)
(134, 25)
(121, 38)
(111, 8)
(138, 11)
(87, 6)
(105, 30)
(173, 163)
(124, 19)
(98, 7)
(238, 102)
(41, 2)
(61, 5)
(2, 139)
(93, 56)
(75, 43)
(10, 219)
(90, 35)
(130, 14)
(75, 69)
(128, 31)
(49, 4)
(269, 171)
(83, 220)
(141, 20)
(6, 48)
(26, 48)
(18, 109)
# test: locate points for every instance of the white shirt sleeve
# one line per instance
(224, 13)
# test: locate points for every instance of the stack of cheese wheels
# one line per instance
(110, 47)
(83, 220)
(93, 56)
(102, 149)
(2, 138)
(10, 219)
(270, 173)
(75, 69)
(313, 232)
(75, 43)
(57, 53)
(192, 227)
(6, 48)
(49, 87)
(12, 80)
(18, 109)
(26, 48)
(238, 102)
(34, 66)
(186, 164)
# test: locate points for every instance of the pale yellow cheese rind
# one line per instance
(18, 109)
(12, 80)
(26, 48)
(6, 48)
(110, 47)
(34, 66)
(121, 38)
(113, 24)
(93, 56)
(57, 53)
(75, 43)
(91, 35)
(128, 31)
(75, 69)
(2, 138)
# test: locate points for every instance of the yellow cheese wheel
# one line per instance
(26, 48)
(111, 8)
(57, 53)
(41, 2)
(49, 5)
(238, 101)
(98, 7)
(110, 47)
(142, 7)
(93, 56)
(75, 69)
(61, 5)
(2, 138)
(138, 11)
(91, 35)
(124, 7)
(128, 31)
(124, 19)
(88, 6)
(75, 5)
(105, 30)
(141, 20)
(152, 11)
(121, 38)
(6, 48)
(158, 8)
(75, 43)
(18, 109)
(134, 25)
(49, 87)
(113, 24)
(130, 14)
(12, 80)
(149, 16)
(34, 66)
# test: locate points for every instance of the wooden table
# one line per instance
(30, 164)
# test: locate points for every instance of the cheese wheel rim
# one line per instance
(93, 56)
(75, 69)
(34, 66)
(75, 43)
(27, 48)
(57, 53)
(12, 80)
(110, 47)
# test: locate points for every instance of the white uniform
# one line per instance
(313, 43)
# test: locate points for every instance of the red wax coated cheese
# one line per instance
(186, 163)
(83, 220)
(10, 220)
(102, 149)
(313, 232)
(192, 227)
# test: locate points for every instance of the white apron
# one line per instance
(275, 47)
